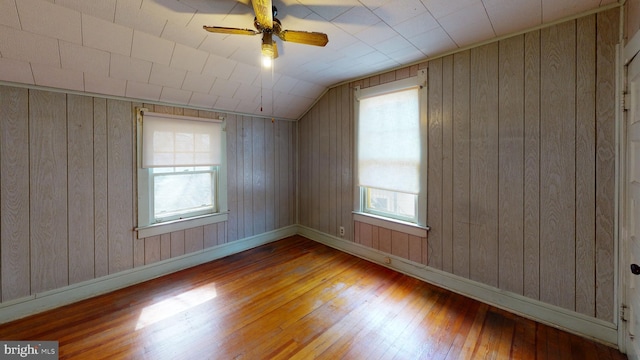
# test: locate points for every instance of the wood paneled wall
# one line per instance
(261, 175)
(325, 155)
(68, 191)
(398, 243)
(521, 165)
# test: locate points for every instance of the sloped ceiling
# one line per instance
(157, 50)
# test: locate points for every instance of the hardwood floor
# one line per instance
(294, 299)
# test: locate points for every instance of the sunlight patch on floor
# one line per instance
(175, 305)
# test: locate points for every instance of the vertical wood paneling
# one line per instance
(177, 243)
(210, 235)
(239, 184)
(288, 196)
(557, 165)
(247, 180)
(271, 188)
(461, 186)
(333, 164)
(193, 239)
(608, 25)
(303, 181)
(323, 166)
(511, 166)
(531, 220)
(384, 240)
(314, 161)
(120, 188)
(14, 193)
(340, 199)
(447, 163)
(222, 233)
(415, 248)
(292, 170)
(375, 238)
(138, 252)
(232, 176)
(48, 196)
(434, 176)
(100, 190)
(258, 214)
(484, 164)
(585, 164)
(283, 161)
(365, 236)
(400, 244)
(165, 246)
(347, 156)
(152, 250)
(80, 187)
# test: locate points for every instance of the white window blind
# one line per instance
(389, 141)
(170, 140)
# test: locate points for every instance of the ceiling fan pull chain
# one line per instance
(273, 95)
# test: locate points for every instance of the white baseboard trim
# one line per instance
(571, 321)
(39, 302)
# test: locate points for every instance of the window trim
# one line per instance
(146, 227)
(419, 81)
(391, 224)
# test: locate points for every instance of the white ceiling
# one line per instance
(157, 50)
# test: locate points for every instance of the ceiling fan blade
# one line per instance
(264, 13)
(228, 30)
(304, 37)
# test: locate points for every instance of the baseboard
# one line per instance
(576, 323)
(39, 302)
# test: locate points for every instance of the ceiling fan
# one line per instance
(268, 25)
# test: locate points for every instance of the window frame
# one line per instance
(147, 226)
(420, 81)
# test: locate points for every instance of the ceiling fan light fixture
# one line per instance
(269, 49)
(267, 62)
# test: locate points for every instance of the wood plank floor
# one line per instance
(294, 299)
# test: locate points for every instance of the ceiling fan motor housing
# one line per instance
(276, 23)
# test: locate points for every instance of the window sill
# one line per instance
(182, 224)
(397, 225)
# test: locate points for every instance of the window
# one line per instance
(390, 152)
(181, 173)
(180, 192)
(393, 204)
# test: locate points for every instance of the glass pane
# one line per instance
(391, 202)
(181, 193)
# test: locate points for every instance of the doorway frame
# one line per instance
(627, 53)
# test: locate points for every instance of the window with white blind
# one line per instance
(390, 152)
(181, 177)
